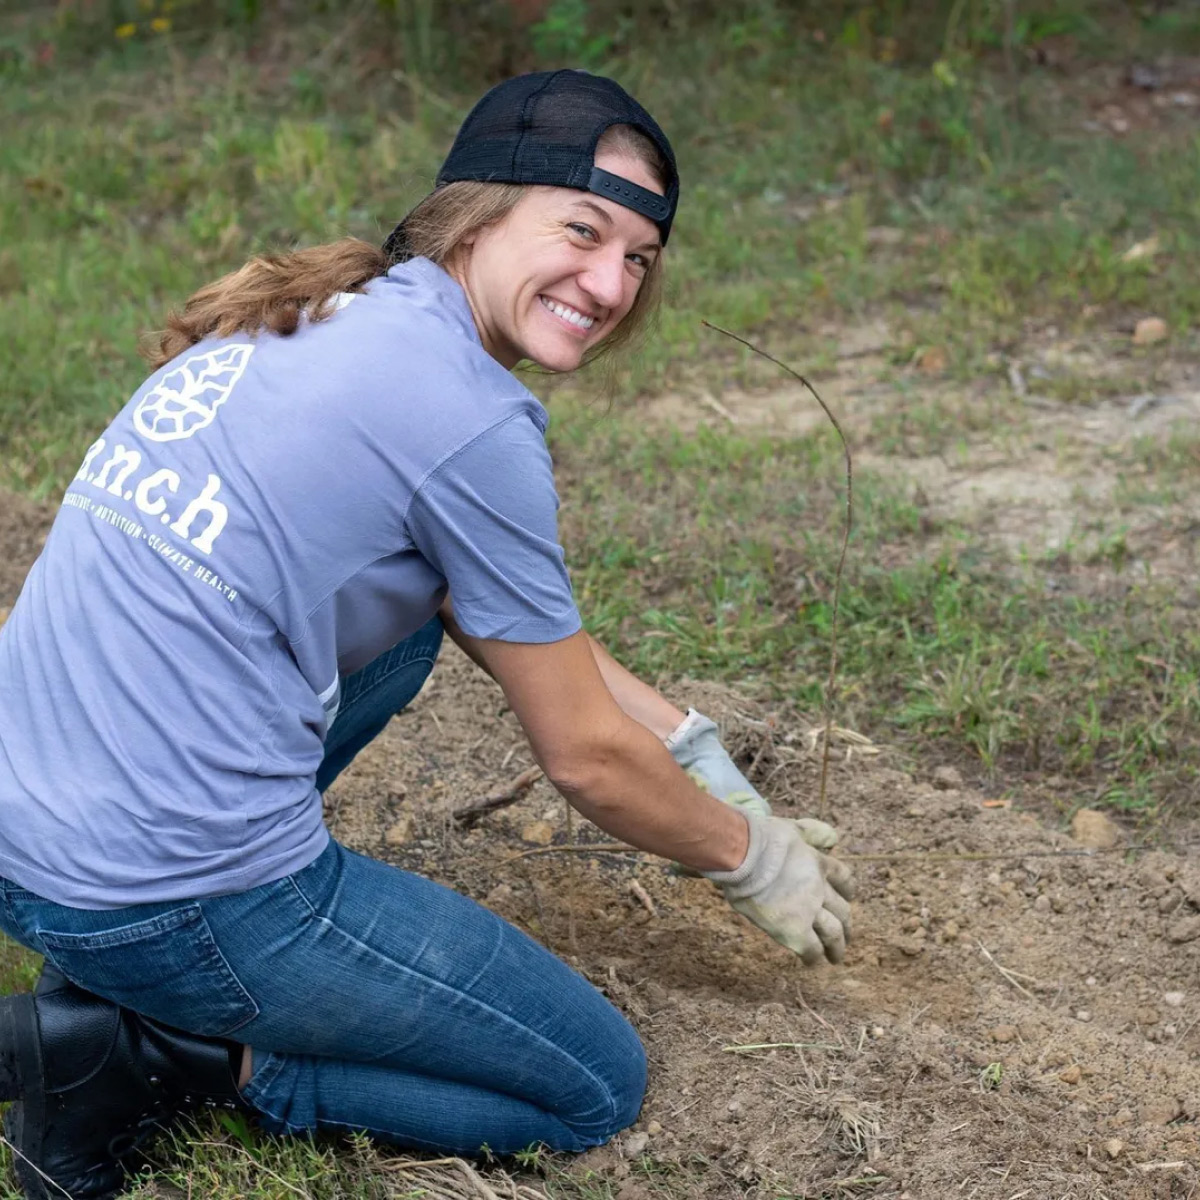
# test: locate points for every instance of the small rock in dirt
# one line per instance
(1147, 1015)
(654, 1129)
(947, 778)
(877, 1031)
(499, 894)
(1113, 1147)
(540, 833)
(1173, 999)
(1150, 330)
(1083, 1015)
(1003, 1033)
(1042, 904)
(1071, 1075)
(1090, 981)
(1159, 1112)
(1186, 930)
(1169, 1030)
(399, 833)
(1095, 830)
(635, 1143)
(950, 929)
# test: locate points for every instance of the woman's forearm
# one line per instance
(637, 699)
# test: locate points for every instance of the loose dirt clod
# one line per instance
(1095, 829)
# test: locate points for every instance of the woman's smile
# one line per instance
(577, 322)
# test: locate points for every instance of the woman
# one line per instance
(251, 573)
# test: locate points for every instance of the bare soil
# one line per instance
(1018, 1026)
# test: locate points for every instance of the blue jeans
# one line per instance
(374, 999)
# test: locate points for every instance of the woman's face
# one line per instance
(559, 273)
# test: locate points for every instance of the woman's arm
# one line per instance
(635, 698)
(610, 766)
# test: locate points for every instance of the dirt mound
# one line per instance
(1011, 1023)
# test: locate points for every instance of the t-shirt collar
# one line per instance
(441, 289)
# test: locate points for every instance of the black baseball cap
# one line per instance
(543, 128)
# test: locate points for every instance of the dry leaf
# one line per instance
(1146, 249)
(933, 360)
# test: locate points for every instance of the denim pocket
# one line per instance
(167, 967)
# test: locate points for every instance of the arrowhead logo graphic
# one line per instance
(185, 400)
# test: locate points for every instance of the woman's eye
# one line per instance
(640, 261)
(583, 230)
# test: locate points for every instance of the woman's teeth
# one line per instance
(568, 314)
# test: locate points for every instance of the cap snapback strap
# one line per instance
(631, 195)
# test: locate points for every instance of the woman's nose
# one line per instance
(604, 280)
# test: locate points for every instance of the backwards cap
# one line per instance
(543, 128)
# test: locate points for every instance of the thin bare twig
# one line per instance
(578, 848)
(468, 814)
(572, 878)
(822, 808)
(29, 1162)
(1008, 975)
(747, 1049)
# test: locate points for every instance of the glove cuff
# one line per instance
(754, 852)
(692, 724)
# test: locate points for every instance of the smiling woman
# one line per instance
(330, 467)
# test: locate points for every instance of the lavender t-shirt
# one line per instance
(265, 516)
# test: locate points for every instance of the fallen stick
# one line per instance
(579, 848)
(468, 814)
(642, 896)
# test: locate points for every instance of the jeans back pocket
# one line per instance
(167, 967)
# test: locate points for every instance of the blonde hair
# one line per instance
(273, 291)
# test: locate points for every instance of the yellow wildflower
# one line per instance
(127, 30)
(160, 24)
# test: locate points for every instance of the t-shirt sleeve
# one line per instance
(487, 519)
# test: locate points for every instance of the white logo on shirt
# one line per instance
(185, 400)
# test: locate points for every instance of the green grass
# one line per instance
(714, 556)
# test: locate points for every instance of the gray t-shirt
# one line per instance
(265, 516)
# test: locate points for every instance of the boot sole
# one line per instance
(21, 1065)
(25, 1121)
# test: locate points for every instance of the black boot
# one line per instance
(92, 1081)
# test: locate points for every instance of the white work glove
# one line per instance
(696, 747)
(791, 891)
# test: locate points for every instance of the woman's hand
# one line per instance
(791, 891)
(695, 746)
